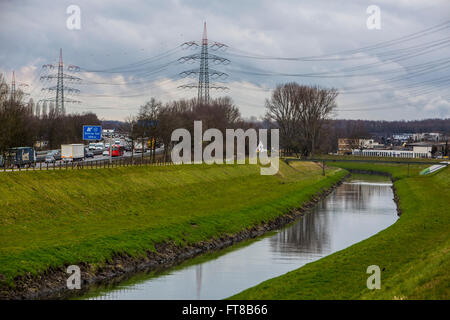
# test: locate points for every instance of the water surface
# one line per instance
(353, 212)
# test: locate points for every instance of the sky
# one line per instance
(128, 51)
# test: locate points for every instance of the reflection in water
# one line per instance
(351, 213)
(198, 276)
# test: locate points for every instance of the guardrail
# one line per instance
(157, 160)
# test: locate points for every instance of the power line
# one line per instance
(413, 36)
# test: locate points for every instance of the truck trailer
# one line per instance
(22, 157)
(72, 152)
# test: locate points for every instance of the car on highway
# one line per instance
(53, 156)
(105, 153)
(92, 146)
(117, 141)
(106, 146)
(49, 158)
(99, 146)
(88, 153)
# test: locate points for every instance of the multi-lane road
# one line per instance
(98, 158)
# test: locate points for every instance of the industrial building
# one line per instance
(371, 148)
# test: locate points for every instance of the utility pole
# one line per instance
(203, 79)
(60, 86)
(61, 90)
(13, 86)
(204, 72)
(17, 85)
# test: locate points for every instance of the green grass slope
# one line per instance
(413, 253)
(54, 218)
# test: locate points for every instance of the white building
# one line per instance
(368, 143)
(416, 152)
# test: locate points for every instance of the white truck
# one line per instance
(72, 152)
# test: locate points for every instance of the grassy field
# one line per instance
(55, 218)
(413, 253)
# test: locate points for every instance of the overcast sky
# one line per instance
(403, 79)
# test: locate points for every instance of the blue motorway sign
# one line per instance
(92, 132)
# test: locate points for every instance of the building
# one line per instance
(417, 152)
(435, 148)
(404, 137)
(346, 145)
(369, 144)
(371, 148)
(427, 136)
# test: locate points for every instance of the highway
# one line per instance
(98, 158)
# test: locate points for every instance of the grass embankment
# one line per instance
(413, 253)
(50, 219)
(363, 158)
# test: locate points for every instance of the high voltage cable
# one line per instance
(425, 68)
(156, 85)
(143, 68)
(137, 63)
(329, 74)
(137, 71)
(383, 44)
(439, 80)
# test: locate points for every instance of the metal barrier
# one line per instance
(156, 160)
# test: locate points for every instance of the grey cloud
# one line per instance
(116, 33)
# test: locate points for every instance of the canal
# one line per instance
(354, 211)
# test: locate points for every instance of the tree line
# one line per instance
(21, 125)
(156, 121)
(299, 112)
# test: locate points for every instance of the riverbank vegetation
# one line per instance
(50, 219)
(413, 254)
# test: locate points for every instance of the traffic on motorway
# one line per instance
(23, 157)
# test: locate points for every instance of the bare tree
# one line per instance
(300, 113)
(147, 121)
(128, 127)
(316, 105)
(283, 108)
(18, 126)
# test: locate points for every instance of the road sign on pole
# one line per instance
(92, 132)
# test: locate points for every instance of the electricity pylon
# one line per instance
(60, 89)
(14, 85)
(204, 72)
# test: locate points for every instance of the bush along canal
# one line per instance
(357, 209)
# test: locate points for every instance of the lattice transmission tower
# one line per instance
(204, 72)
(61, 91)
(14, 86)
